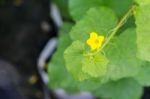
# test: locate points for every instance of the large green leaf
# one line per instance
(143, 31)
(100, 20)
(58, 74)
(121, 52)
(119, 6)
(83, 67)
(61, 78)
(122, 56)
(121, 89)
(143, 76)
(79, 7)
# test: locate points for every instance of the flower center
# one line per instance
(96, 41)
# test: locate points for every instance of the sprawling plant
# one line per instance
(106, 51)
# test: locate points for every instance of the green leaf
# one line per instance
(95, 66)
(121, 53)
(56, 64)
(73, 57)
(119, 6)
(122, 89)
(58, 75)
(141, 2)
(143, 31)
(84, 67)
(100, 20)
(66, 27)
(79, 7)
(143, 76)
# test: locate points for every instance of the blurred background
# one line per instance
(25, 27)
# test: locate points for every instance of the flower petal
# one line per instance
(95, 41)
(93, 35)
(94, 46)
(101, 38)
(89, 42)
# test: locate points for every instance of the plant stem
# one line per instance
(120, 24)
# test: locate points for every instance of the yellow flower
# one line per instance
(95, 41)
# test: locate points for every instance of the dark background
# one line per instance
(21, 40)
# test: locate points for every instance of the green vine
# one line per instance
(120, 24)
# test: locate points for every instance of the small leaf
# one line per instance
(95, 66)
(73, 57)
